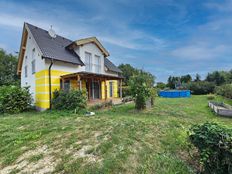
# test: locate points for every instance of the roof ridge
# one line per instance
(47, 31)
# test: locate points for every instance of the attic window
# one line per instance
(33, 53)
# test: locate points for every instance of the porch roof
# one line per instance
(89, 75)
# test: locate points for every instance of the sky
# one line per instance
(164, 37)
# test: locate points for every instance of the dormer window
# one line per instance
(88, 62)
(97, 64)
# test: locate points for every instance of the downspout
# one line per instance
(50, 86)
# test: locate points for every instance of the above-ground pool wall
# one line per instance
(175, 93)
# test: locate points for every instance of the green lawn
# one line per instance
(120, 140)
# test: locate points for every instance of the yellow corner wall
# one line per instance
(42, 86)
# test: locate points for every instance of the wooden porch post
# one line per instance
(79, 81)
(89, 88)
(80, 85)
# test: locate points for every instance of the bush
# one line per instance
(210, 97)
(140, 90)
(214, 143)
(224, 90)
(201, 87)
(14, 99)
(125, 91)
(69, 100)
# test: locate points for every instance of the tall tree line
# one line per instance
(8, 69)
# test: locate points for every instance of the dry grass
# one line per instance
(120, 140)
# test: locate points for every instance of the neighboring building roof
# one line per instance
(54, 48)
(91, 40)
(110, 66)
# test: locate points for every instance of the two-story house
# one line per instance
(48, 62)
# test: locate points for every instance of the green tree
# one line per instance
(160, 85)
(218, 77)
(198, 78)
(140, 90)
(172, 81)
(186, 78)
(8, 68)
(128, 71)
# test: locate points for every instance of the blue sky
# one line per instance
(164, 37)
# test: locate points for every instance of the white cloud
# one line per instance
(3, 46)
(67, 25)
(199, 52)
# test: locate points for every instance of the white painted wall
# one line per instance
(39, 64)
(94, 50)
(63, 66)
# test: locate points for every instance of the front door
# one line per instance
(95, 90)
(111, 89)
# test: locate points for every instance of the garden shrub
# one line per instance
(140, 90)
(125, 91)
(210, 97)
(153, 95)
(14, 99)
(214, 144)
(224, 90)
(201, 87)
(69, 100)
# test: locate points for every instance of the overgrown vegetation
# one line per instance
(8, 66)
(119, 140)
(69, 100)
(140, 90)
(14, 99)
(224, 90)
(201, 87)
(214, 144)
(129, 72)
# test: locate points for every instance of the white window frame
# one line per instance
(97, 64)
(25, 71)
(88, 62)
(33, 67)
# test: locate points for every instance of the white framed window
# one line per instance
(25, 71)
(33, 66)
(88, 62)
(97, 64)
(33, 53)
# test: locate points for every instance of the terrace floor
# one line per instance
(97, 101)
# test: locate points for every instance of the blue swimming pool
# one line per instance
(175, 93)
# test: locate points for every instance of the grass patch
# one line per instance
(35, 158)
(118, 140)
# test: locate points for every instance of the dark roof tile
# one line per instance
(111, 66)
(54, 48)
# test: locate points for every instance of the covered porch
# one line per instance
(98, 86)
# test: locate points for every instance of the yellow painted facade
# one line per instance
(42, 86)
